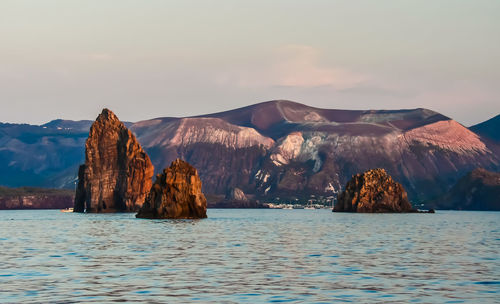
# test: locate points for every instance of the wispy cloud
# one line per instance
(291, 66)
(100, 57)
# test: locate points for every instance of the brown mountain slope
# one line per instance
(289, 150)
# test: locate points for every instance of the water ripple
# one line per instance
(250, 256)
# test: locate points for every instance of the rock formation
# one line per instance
(477, 190)
(176, 194)
(373, 191)
(117, 173)
(236, 194)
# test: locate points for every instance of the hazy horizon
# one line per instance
(70, 59)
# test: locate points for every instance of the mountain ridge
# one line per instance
(477, 190)
(489, 128)
(272, 149)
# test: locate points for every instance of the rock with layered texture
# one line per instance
(117, 174)
(236, 194)
(176, 194)
(373, 191)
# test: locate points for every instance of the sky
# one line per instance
(146, 58)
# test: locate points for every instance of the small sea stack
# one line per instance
(117, 174)
(176, 194)
(373, 191)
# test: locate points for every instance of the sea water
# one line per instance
(250, 256)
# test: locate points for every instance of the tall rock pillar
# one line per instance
(117, 174)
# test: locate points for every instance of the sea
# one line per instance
(250, 256)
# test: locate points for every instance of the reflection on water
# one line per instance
(250, 256)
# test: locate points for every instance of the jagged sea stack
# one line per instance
(176, 194)
(117, 174)
(371, 192)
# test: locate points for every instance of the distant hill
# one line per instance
(42, 156)
(275, 149)
(35, 198)
(478, 190)
(73, 126)
(489, 129)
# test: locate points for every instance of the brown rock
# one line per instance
(175, 194)
(236, 194)
(117, 173)
(373, 191)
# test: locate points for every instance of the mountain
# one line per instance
(489, 129)
(276, 149)
(478, 190)
(42, 156)
(45, 155)
(289, 150)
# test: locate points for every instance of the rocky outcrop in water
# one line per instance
(176, 194)
(373, 191)
(117, 173)
(477, 190)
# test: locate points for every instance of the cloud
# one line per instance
(100, 57)
(464, 102)
(291, 66)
